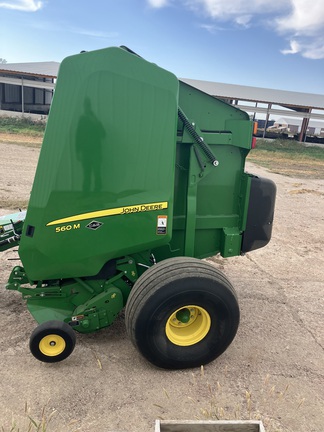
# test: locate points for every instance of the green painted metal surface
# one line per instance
(108, 159)
(210, 204)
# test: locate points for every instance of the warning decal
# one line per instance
(162, 222)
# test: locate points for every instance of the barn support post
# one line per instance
(304, 126)
(267, 119)
(22, 96)
(256, 106)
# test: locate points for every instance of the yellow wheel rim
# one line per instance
(188, 325)
(52, 345)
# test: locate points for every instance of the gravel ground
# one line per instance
(273, 371)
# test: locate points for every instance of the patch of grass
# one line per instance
(32, 424)
(264, 406)
(21, 140)
(289, 158)
(24, 125)
(41, 423)
(211, 399)
(293, 149)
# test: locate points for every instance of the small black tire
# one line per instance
(181, 313)
(52, 341)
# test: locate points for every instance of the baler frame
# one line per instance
(180, 311)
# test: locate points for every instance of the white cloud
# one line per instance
(294, 48)
(94, 33)
(305, 18)
(212, 28)
(158, 3)
(301, 22)
(243, 20)
(305, 24)
(22, 5)
(64, 27)
(235, 9)
(312, 49)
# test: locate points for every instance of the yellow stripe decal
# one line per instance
(112, 212)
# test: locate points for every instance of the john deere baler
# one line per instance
(139, 177)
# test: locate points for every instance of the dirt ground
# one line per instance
(273, 371)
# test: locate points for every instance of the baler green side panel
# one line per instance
(105, 178)
(222, 194)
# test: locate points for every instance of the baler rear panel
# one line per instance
(219, 194)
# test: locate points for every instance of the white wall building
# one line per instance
(293, 126)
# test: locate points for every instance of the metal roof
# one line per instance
(258, 94)
(220, 90)
(40, 69)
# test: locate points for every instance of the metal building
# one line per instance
(27, 87)
(265, 101)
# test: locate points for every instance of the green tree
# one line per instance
(3, 61)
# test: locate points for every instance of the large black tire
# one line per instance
(182, 313)
(52, 341)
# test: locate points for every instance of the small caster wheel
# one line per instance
(52, 341)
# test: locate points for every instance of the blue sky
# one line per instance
(275, 44)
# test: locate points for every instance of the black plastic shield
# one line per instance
(260, 214)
